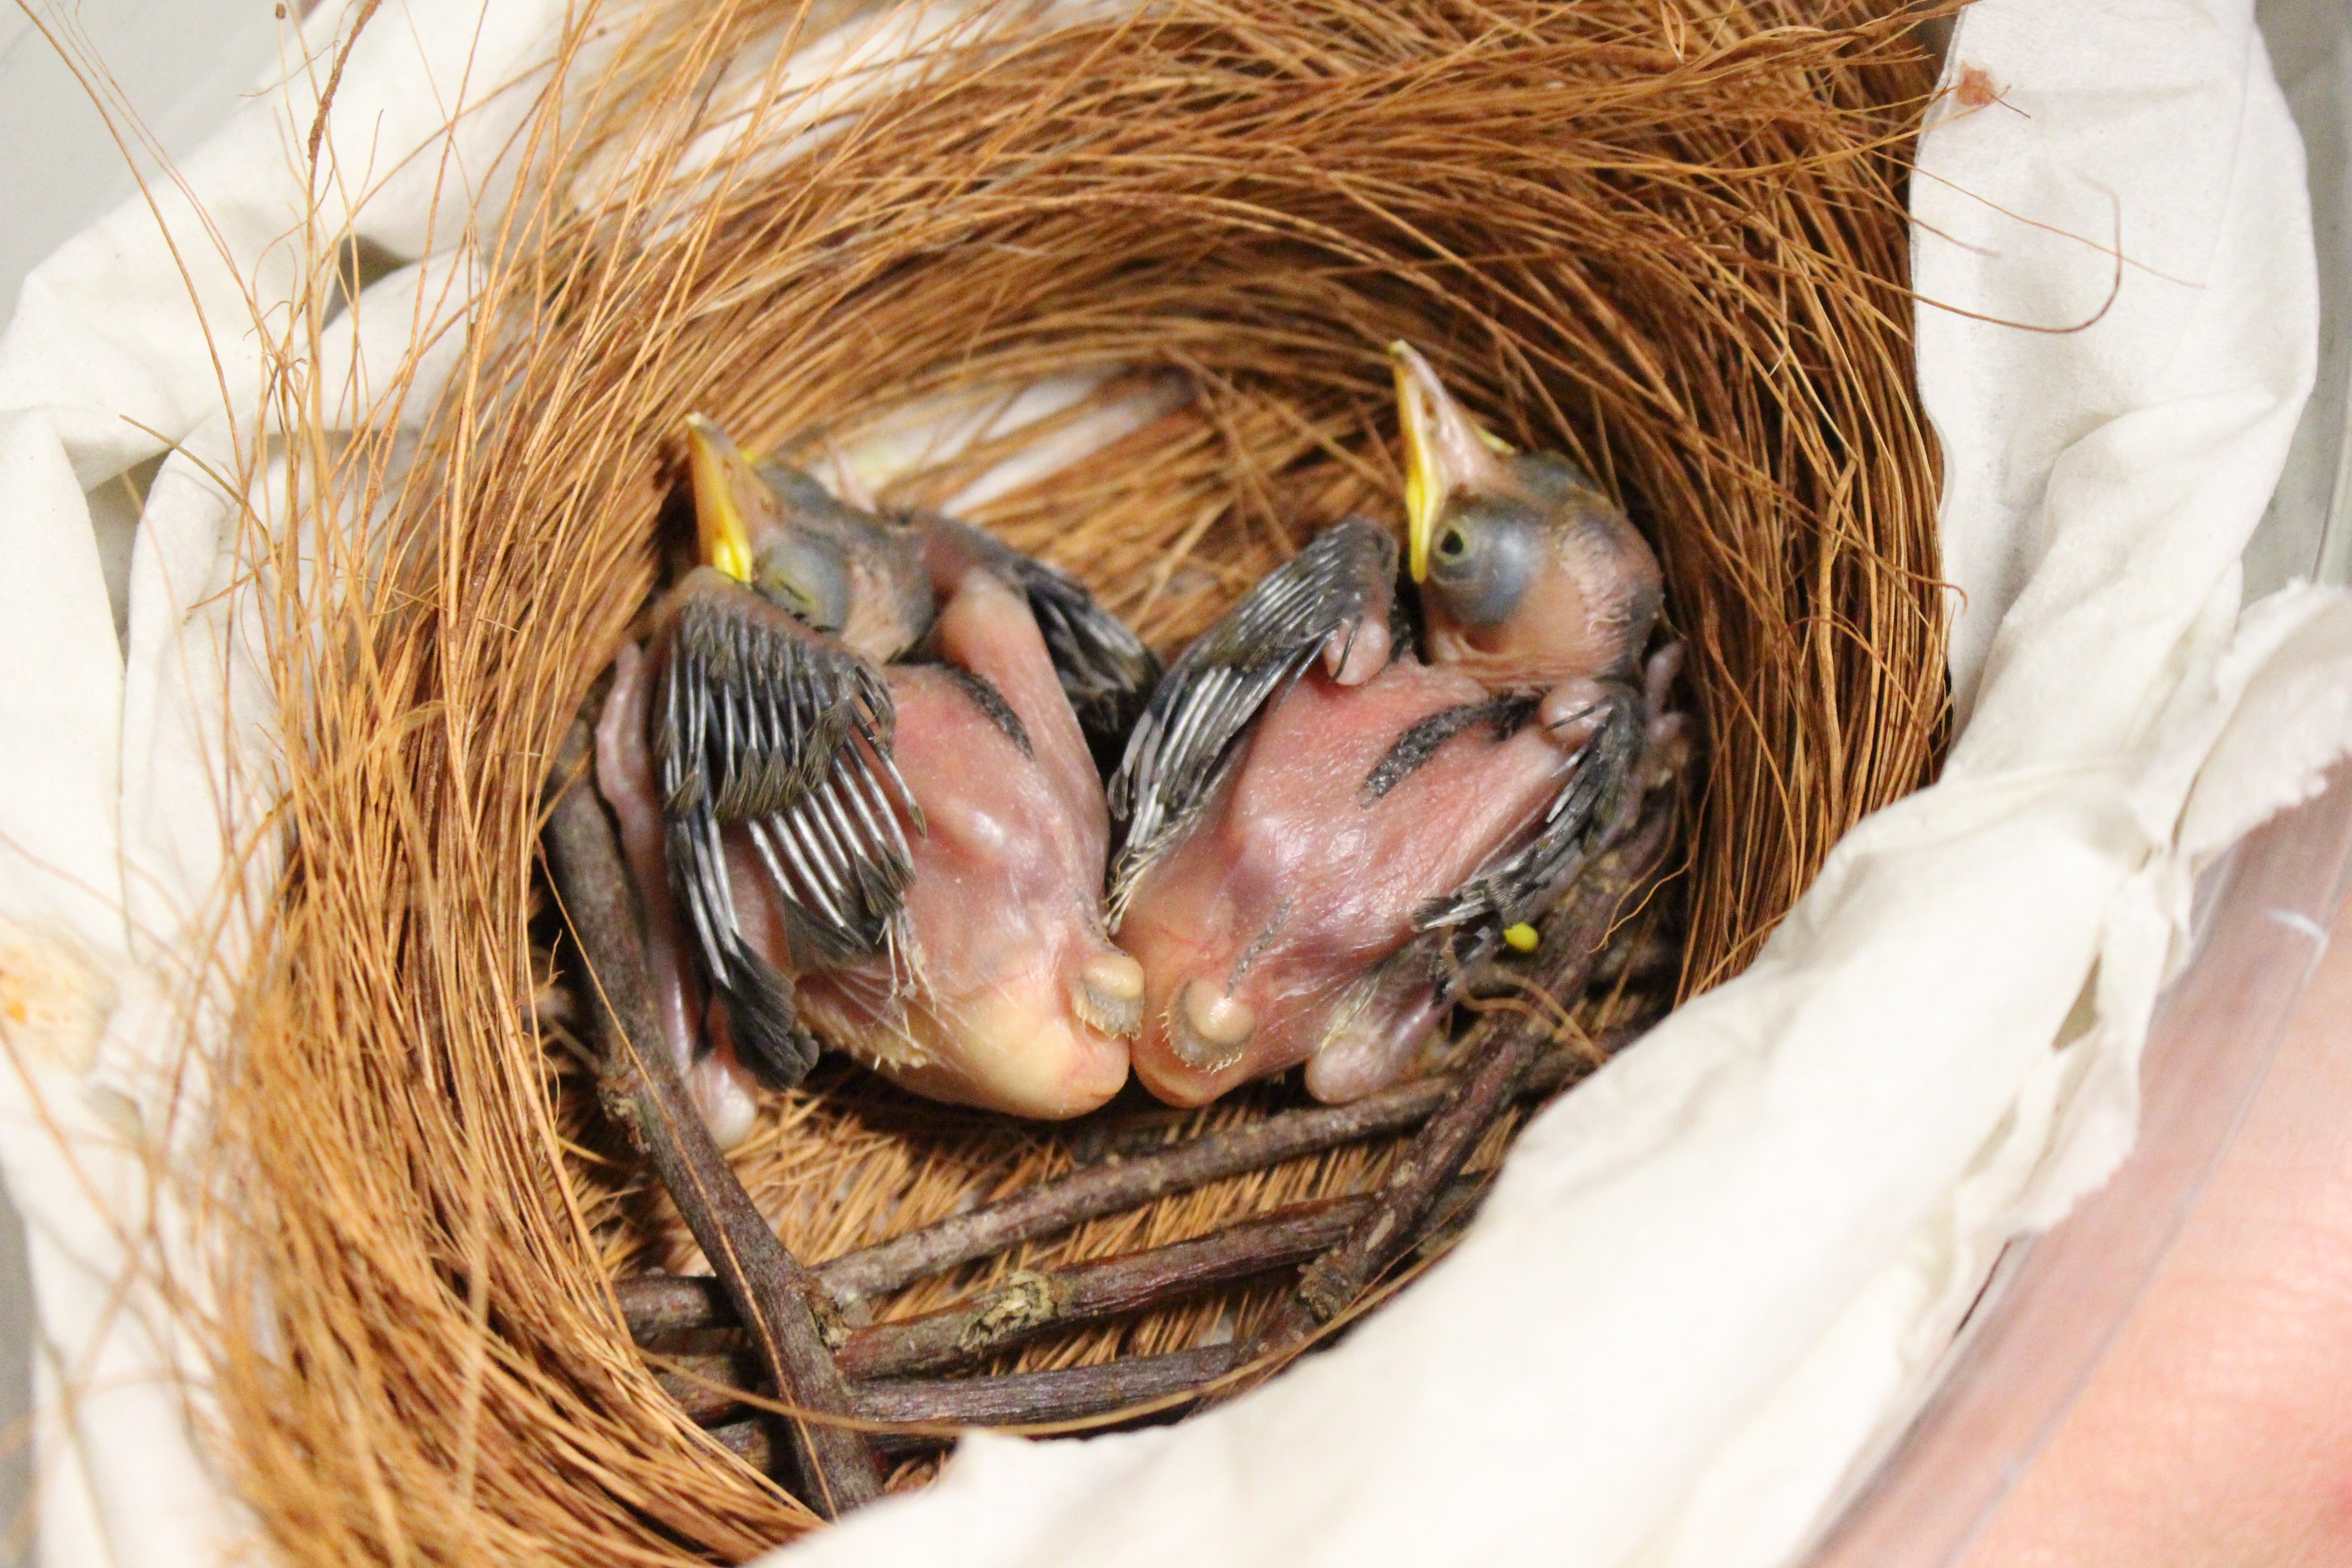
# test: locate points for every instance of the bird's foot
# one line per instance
(726, 1096)
(1357, 652)
(1370, 1046)
(1666, 750)
(1573, 711)
(1658, 674)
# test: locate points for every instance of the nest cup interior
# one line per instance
(1667, 241)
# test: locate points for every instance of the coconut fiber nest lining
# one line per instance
(1669, 240)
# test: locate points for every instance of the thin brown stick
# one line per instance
(1016, 1399)
(1033, 1304)
(1059, 1204)
(335, 77)
(1575, 936)
(658, 1304)
(1032, 1398)
(641, 1091)
(710, 1385)
(1036, 1303)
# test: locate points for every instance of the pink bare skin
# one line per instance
(1291, 889)
(2218, 1432)
(721, 1088)
(1020, 999)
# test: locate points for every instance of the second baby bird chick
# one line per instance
(1330, 830)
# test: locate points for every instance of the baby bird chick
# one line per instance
(1328, 831)
(881, 821)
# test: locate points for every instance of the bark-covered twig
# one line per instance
(1068, 1201)
(640, 1087)
(1036, 1304)
(1039, 1398)
(658, 1304)
(1574, 937)
(655, 1304)
(1016, 1399)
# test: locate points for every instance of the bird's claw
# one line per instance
(1667, 740)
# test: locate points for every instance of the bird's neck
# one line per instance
(1514, 656)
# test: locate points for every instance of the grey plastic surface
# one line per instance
(2056, 1303)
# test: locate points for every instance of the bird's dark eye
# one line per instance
(1482, 564)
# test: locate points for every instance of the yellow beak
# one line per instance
(720, 473)
(1445, 451)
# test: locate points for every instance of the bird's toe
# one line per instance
(1371, 1045)
(1572, 712)
(1354, 653)
(1658, 674)
(726, 1096)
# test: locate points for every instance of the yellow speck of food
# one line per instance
(1521, 937)
(54, 999)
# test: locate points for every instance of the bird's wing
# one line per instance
(763, 722)
(1104, 670)
(1217, 686)
(1462, 929)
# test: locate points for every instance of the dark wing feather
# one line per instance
(763, 722)
(1464, 929)
(1106, 671)
(1217, 686)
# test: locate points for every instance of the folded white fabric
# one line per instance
(129, 771)
(1711, 1278)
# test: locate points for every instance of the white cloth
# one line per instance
(123, 765)
(1711, 1277)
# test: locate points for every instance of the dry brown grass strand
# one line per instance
(1666, 237)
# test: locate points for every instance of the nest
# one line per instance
(1667, 239)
